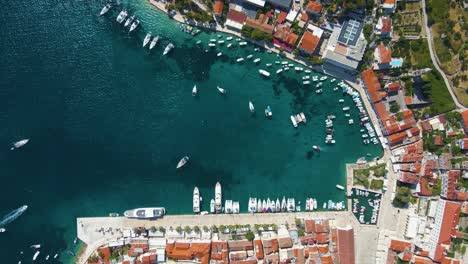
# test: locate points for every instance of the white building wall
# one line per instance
(433, 238)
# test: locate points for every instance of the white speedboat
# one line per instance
(269, 64)
(279, 71)
(307, 71)
(196, 200)
(146, 213)
(228, 207)
(47, 257)
(121, 17)
(252, 205)
(2, 230)
(129, 21)
(218, 198)
(268, 112)
(105, 9)
(249, 56)
(134, 25)
(56, 255)
(340, 187)
(240, 60)
(229, 45)
(168, 48)
(257, 60)
(212, 206)
(235, 207)
(278, 205)
(284, 206)
(229, 38)
(194, 90)
(219, 54)
(154, 42)
(243, 43)
(221, 90)
(36, 255)
(19, 144)
(264, 73)
(251, 107)
(259, 205)
(147, 39)
(212, 45)
(307, 207)
(315, 204)
(291, 205)
(341, 100)
(182, 162)
(35, 246)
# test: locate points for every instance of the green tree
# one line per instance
(250, 235)
(214, 229)
(93, 259)
(402, 197)
(162, 229)
(196, 229)
(179, 229)
(205, 228)
(153, 229)
(187, 229)
(300, 232)
(101, 255)
(394, 107)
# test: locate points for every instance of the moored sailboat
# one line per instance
(194, 90)
(146, 39)
(154, 42)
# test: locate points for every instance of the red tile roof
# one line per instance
(281, 17)
(372, 84)
(258, 247)
(345, 246)
(285, 242)
(240, 245)
(393, 87)
(386, 25)
(408, 177)
(400, 246)
(236, 16)
(259, 24)
(397, 138)
(284, 34)
(447, 260)
(219, 250)
(309, 42)
(304, 17)
(385, 54)
(422, 260)
(314, 7)
(218, 7)
(464, 116)
(449, 222)
(438, 140)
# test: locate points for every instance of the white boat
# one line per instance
(307, 77)
(221, 90)
(240, 59)
(168, 48)
(235, 207)
(257, 60)
(105, 9)
(213, 40)
(346, 108)
(291, 205)
(315, 204)
(212, 206)
(146, 213)
(299, 69)
(19, 144)
(264, 73)
(182, 162)
(194, 90)
(286, 68)
(121, 17)
(229, 45)
(264, 206)
(56, 255)
(303, 117)
(306, 82)
(220, 41)
(252, 205)
(204, 213)
(198, 42)
(350, 121)
(35, 246)
(134, 25)
(36, 255)
(278, 205)
(284, 206)
(196, 200)
(218, 198)
(219, 54)
(146, 39)
(308, 71)
(228, 207)
(279, 71)
(269, 64)
(268, 112)
(269, 208)
(212, 45)
(318, 91)
(75, 240)
(316, 147)
(293, 120)
(129, 21)
(307, 208)
(251, 107)
(257, 49)
(341, 100)
(154, 42)
(323, 78)
(47, 257)
(284, 63)
(243, 43)
(2, 230)
(259, 205)
(249, 56)
(340, 187)
(229, 38)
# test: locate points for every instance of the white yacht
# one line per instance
(105, 9)
(268, 207)
(147, 39)
(19, 144)
(194, 90)
(146, 213)
(251, 107)
(221, 90)
(212, 206)
(168, 48)
(36, 255)
(264, 73)
(257, 60)
(259, 205)
(182, 162)
(228, 207)
(196, 200)
(278, 205)
(121, 17)
(154, 42)
(134, 25)
(235, 207)
(218, 198)
(291, 205)
(35, 246)
(252, 205)
(129, 21)
(283, 204)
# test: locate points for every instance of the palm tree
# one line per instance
(179, 229)
(153, 229)
(187, 229)
(205, 228)
(162, 229)
(196, 229)
(214, 229)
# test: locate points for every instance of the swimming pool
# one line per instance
(395, 63)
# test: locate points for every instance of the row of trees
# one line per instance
(256, 34)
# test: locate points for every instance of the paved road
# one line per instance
(435, 59)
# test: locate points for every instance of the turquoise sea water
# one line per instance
(109, 120)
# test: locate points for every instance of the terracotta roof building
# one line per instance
(284, 34)
(384, 27)
(218, 8)
(344, 244)
(464, 116)
(393, 87)
(449, 186)
(383, 56)
(310, 39)
(235, 20)
(261, 24)
(314, 8)
(372, 84)
(235, 245)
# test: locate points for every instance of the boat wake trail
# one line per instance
(10, 217)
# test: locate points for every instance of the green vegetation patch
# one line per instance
(376, 184)
(436, 90)
(256, 34)
(402, 197)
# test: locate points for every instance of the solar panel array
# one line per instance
(350, 32)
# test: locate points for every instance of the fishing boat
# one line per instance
(235, 207)
(307, 77)
(259, 205)
(291, 205)
(182, 162)
(286, 68)
(221, 90)
(323, 78)
(257, 60)
(121, 17)
(198, 42)
(35, 246)
(257, 49)
(331, 117)
(212, 206)
(218, 197)
(36, 255)
(251, 107)
(268, 112)
(129, 21)
(318, 91)
(145, 213)
(168, 48)
(19, 144)
(316, 148)
(264, 73)
(134, 25)
(264, 206)
(284, 206)
(146, 39)
(196, 200)
(194, 90)
(228, 207)
(252, 205)
(105, 9)
(278, 205)
(340, 187)
(154, 42)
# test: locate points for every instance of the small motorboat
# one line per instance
(219, 54)
(252, 205)
(35, 246)
(194, 90)
(251, 107)
(221, 90)
(316, 148)
(168, 48)
(212, 206)
(154, 42)
(36, 255)
(147, 39)
(2, 230)
(105, 9)
(134, 25)
(56, 255)
(268, 112)
(75, 240)
(340, 187)
(113, 214)
(19, 144)
(47, 257)
(182, 162)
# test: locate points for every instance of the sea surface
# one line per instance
(108, 121)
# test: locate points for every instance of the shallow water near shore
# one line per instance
(109, 120)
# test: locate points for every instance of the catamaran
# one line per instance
(251, 107)
(218, 198)
(196, 200)
(194, 90)
(19, 144)
(221, 90)
(105, 9)
(154, 42)
(147, 39)
(182, 162)
(129, 21)
(168, 48)
(121, 17)
(134, 25)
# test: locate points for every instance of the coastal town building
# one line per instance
(281, 4)
(346, 46)
(257, 3)
(218, 8)
(314, 9)
(384, 27)
(235, 20)
(389, 6)
(310, 39)
(284, 37)
(383, 57)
